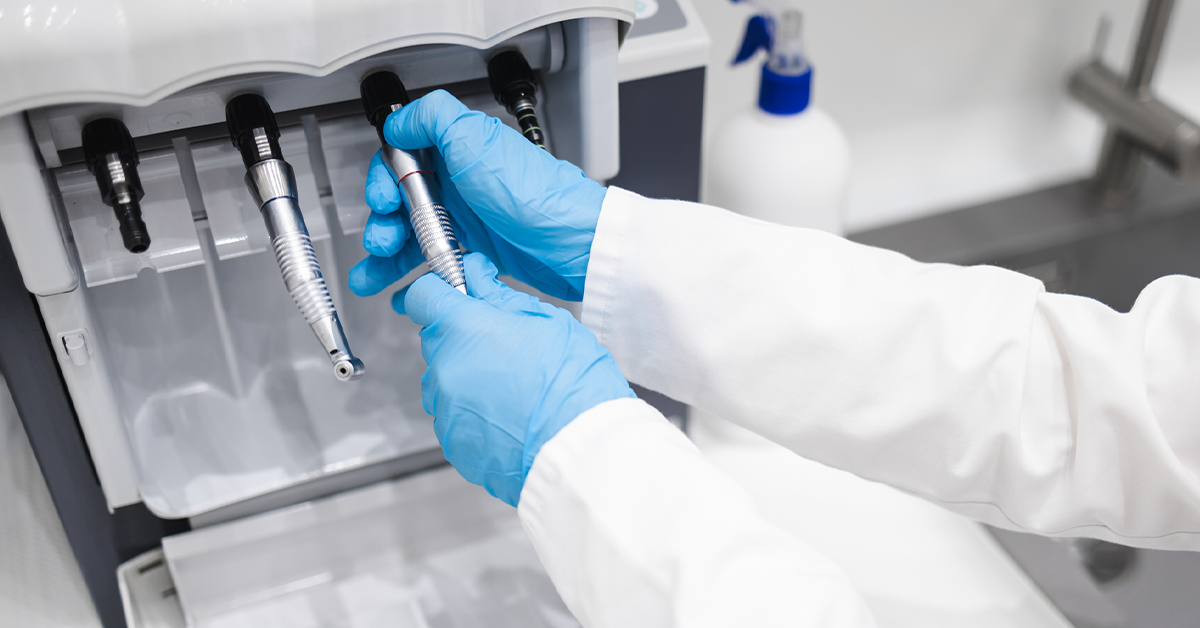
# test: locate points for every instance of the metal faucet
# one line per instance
(1138, 123)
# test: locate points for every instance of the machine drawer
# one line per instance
(421, 552)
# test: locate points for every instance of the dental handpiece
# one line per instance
(382, 93)
(272, 185)
(515, 87)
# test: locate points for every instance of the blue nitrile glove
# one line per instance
(530, 213)
(505, 373)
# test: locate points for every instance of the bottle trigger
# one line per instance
(758, 37)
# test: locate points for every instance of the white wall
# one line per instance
(948, 102)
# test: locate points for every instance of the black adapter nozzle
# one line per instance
(112, 158)
(511, 79)
(244, 114)
(381, 92)
(515, 87)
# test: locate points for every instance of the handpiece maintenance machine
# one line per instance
(181, 190)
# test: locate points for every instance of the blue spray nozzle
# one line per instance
(757, 37)
(786, 85)
(779, 33)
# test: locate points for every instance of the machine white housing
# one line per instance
(198, 386)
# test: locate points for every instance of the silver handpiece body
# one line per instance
(272, 184)
(430, 221)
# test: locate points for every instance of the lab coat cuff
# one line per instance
(562, 453)
(570, 496)
(604, 264)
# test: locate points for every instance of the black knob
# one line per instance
(381, 91)
(511, 79)
(104, 136)
(244, 114)
(112, 158)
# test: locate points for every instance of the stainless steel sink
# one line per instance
(1067, 241)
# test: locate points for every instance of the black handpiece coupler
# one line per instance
(112, 158)
(514, 86)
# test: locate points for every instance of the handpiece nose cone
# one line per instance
(348, 370)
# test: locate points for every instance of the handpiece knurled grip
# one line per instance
(431, 224)
(430, 221)
(272, 183)
(302, 276)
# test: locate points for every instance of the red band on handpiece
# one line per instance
(412, 173)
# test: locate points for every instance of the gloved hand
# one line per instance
(530, 213)
(505, 373)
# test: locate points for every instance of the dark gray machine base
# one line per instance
(661, 122)
(1058, 236)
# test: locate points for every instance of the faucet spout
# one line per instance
(1138, 123)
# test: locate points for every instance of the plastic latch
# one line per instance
(757, 37)
(76, 345)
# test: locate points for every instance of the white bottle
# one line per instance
(784, 161)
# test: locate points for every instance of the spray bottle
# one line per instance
(785, 160)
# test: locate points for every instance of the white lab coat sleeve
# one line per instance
(637, 529)
(969, 386)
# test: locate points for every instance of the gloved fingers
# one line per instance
(532, 271)
(429, 298)
(481, 277)
(471, 232)
(422, 122)
(476, 236)
(398, 300)
(439, 120)
(526, 203)
(374, 273)
(385, 234)
(381, 191)
(478, 450)
(482, 282)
